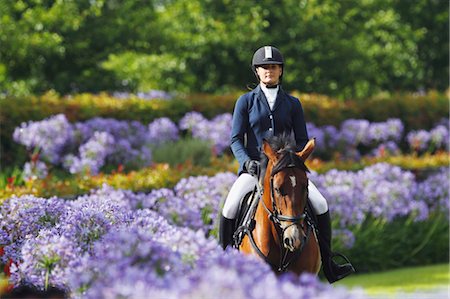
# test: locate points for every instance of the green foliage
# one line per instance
(146, 72)
(380, 245)
(194, 151)
(347, 49)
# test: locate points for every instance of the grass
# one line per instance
(401, 280)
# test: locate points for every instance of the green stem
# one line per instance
(426, 239)
(47, 274)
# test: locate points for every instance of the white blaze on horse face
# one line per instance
(293, 180)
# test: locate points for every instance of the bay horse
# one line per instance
(283, 234)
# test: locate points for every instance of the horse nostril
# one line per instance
(287, 241)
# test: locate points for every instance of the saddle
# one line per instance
(245, 217)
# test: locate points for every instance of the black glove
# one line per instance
(252, 167)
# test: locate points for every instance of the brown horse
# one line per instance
(282, 234)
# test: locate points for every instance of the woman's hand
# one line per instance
(252, 167)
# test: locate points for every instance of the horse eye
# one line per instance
(280, 191)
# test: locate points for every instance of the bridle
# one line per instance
(277, 218)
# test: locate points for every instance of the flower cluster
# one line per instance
(148, 95)
(162, 130)
(119, 244)
(129, 138)
(86, 146)
(92, 154)
(90, 145)
(49, 136)
(436, 138)
(216, 131)
(138, 253)
(194, 201)
(34, 170)
(22, 218)
(381, 137)
(382, 190)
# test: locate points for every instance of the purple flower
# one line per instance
(148, 95)
(34, 170)
(354, 131)
(50, 136)
(92, 154)
(191, 120)
(162, 130)
(387, 148)
(439, 137)
(216, 131)
(23, 217)
(418, 140)
(434, 190)
(391, 130)
(47, 259)
(318, 134)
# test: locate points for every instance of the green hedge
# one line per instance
(416, 111)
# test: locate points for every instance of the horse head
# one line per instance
(286, 188)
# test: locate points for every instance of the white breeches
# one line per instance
(246, 183)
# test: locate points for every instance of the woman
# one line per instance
(269, 110)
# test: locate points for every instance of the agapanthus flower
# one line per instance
(439, 137)
(34, 170)
(23, 217)
(418, 140)
(191, 120)
(47, 259)
(354, 131)
(162, 130)
(50, 136)
(92, 154)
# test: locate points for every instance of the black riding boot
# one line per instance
(226, 231)
(333, 272)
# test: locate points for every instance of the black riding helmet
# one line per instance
(267, 55)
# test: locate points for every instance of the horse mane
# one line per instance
(285, 146)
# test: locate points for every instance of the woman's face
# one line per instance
(269, 74)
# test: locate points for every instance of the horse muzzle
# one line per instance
(292, 238)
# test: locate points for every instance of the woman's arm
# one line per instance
(298, 119)
(238, 130)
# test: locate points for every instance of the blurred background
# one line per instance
(137, 95)
(345, 49)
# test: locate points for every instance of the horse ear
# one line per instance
(307, 150)
(268, 151)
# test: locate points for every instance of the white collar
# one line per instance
(269, 91)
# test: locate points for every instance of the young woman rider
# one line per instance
(268, 110)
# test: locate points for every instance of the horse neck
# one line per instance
(265, 223)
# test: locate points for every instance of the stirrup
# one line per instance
(347, 261)
(347, 264)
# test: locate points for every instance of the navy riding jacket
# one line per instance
(253, 121)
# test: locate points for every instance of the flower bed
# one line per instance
(114, 243)
(87, 147)
(415, 111)
(100, 246)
